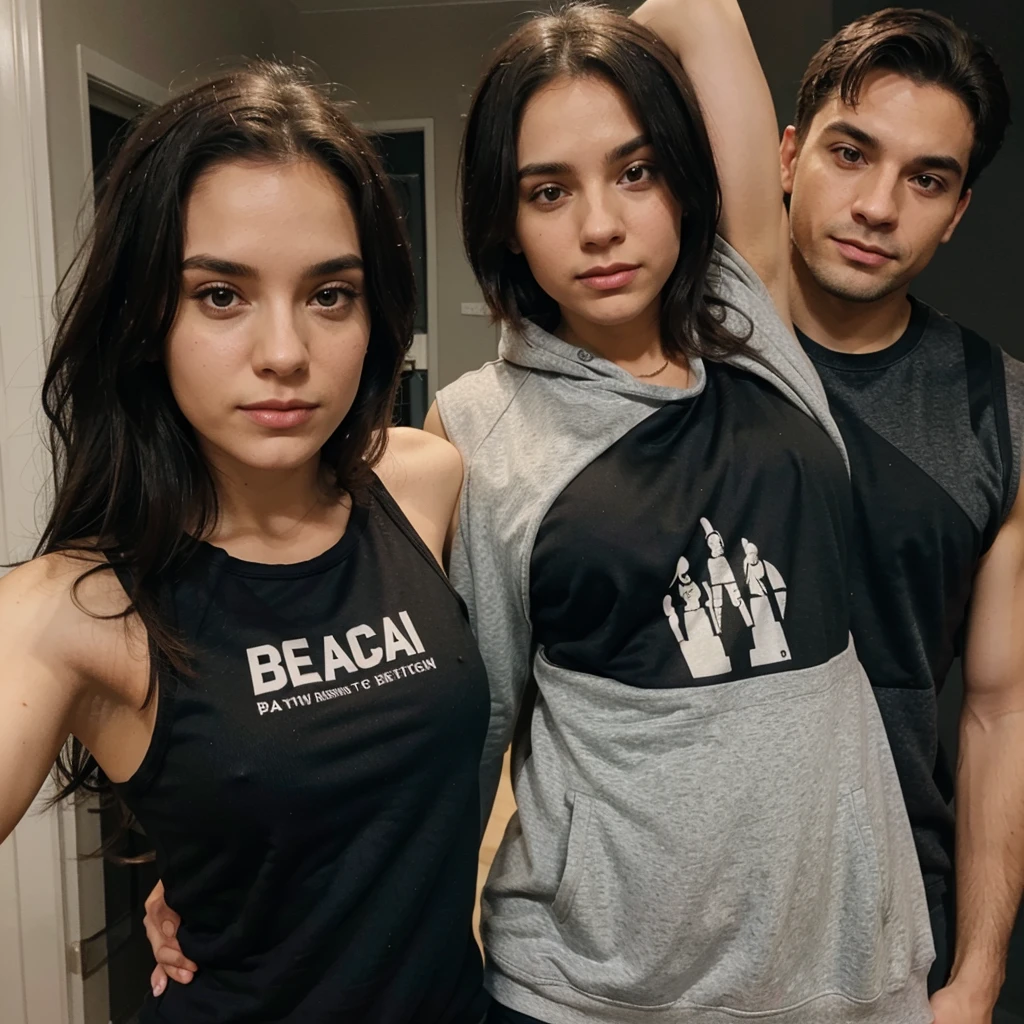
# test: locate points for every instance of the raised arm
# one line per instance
(989, 782)
(711, 41)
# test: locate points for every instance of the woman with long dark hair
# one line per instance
(237, 609)
(652, 544)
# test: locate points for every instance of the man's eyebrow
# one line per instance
(855, 133)
(929, 161)
(940, 163)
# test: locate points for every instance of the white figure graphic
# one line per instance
(702, 649)
(721, 575)
(766, 585)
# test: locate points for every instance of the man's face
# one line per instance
(875, 189)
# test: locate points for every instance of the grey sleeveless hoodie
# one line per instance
(701, 854)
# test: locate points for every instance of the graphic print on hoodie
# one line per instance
(705, 545)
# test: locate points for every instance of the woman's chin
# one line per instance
(611, 311)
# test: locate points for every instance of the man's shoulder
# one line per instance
(985, 361)
(1013, 373)
(980, 354)
(1007, 370)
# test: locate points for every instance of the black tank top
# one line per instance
(927, 425)
(312, 791)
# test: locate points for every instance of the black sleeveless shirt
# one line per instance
(312, 791)
(935, 462)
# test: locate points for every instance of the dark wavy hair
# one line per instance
(925, 47)
(130, 483)
(581, 40)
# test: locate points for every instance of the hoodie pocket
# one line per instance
(746, 920)
(575, 857)
(862, 818)
(857, 932)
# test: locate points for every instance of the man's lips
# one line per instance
(616, 275)
(866, 255)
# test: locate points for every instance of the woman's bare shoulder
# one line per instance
(423, 473)
(417, 460)
(55, 602)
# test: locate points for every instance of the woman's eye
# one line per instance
(637, 173)
(220, 297)
(333, 297)
(548, 194)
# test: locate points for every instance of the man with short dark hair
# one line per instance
(897, 116)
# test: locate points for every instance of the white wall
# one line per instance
(32, 970)
(170, 42)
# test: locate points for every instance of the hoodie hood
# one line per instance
(772, 352)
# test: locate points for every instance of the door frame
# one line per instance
(111, 77)
(426, 126)
(38, 886)
(85, 889)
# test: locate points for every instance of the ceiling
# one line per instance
(328, 6)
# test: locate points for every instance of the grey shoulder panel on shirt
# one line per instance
(1014, 370)
(750, 310)
(470, 406)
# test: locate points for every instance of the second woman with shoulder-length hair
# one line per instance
(652, 542)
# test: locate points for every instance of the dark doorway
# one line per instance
(404, 157)
(110, 115)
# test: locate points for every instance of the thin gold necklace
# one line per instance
(647, 376)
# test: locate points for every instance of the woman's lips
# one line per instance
(605, 281)
(279, 418)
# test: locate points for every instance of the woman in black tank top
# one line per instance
(237, 609)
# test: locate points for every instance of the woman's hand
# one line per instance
(162, 929)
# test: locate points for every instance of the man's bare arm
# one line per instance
(990, 780)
